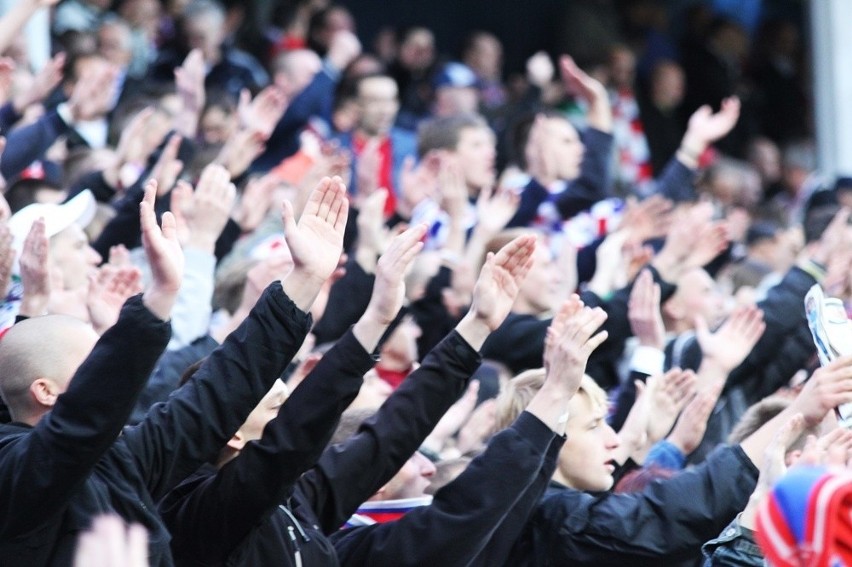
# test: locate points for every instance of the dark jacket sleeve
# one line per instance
(594, 181)
(347, 301)
(190, 429)
(677, 182)
(166, 376)
(220, 512)
(349, 473)
(8, 117)
(667, 522)
(464, 515)
(42, 468)
(27, 144)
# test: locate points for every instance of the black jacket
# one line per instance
(70, 467)
(664, 524)
(209, 525)
(475, 519)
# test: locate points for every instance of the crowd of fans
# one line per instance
(550, 318)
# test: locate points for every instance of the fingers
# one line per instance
(516, 256)
(147, 218)
(316, 197)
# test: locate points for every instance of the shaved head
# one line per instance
(42, 348)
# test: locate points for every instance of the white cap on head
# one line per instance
(80, 211)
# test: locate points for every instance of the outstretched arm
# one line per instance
(188, 430)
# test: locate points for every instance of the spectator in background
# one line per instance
(632, 155)
(661, 112)
(203, 27)
(483, 53)
(412, 69)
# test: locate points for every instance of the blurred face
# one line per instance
(486, 57)
(586, 459)
(622, 68)
(114, 44)
(418, 50)
(476, 151)
(697, 294)
(566, 147)
(263, 413)
(766, 158)
(71, 255)
(302, 65)
(217, 126)
(451, 101)
(401, 346)
(205, 33)
(540, 287)
(668, 86)
(378, 105)
(411, 481)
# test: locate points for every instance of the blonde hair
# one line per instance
(522, 389)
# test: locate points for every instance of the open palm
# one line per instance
(500, 279)
(316, 241)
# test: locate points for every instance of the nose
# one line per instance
(94, 258)
(613, 441)
(427, 467)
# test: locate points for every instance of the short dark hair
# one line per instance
(444, 133)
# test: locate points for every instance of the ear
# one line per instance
(237, 442)
(44, 392)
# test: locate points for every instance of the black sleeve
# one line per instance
(464, 514)
(665, 523)
(349, 473)
(677, 182)
(218, 514)
(178, 436)
(347, 301)
(44, 467)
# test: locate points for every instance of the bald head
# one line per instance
(48, 349)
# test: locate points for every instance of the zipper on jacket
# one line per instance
(295, 522)
(297, 555)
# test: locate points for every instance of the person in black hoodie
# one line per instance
(64, 462)
(236, 516)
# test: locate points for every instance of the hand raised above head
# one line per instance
(316, 241)
(164, 255)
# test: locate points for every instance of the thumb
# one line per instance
(288, 218)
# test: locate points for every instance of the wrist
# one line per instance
(302, 288)
(203, 242)
(159, 302)
(473, 330)
(34, 305)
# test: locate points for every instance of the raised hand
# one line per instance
(733, 341)
(264, 111)
(317, 239)
(494, 209)
(540, 69)
(643, 311)
(829, 387)
(164, 255)
(168, 167)
(43, 84)
(240, 151)
(578, 83)
(372, 233)
(255, 202)
(108, 290)
(35, 272)
(454, 418)
(7, 258)
(389, 287)
(110, 543)
(94, 94)
(417, 183)
(209, 207)
(571, 338)
(500, 279)
(706, 127)
(692, 423)
(189, 83)
(666, 396)
(647, 219)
